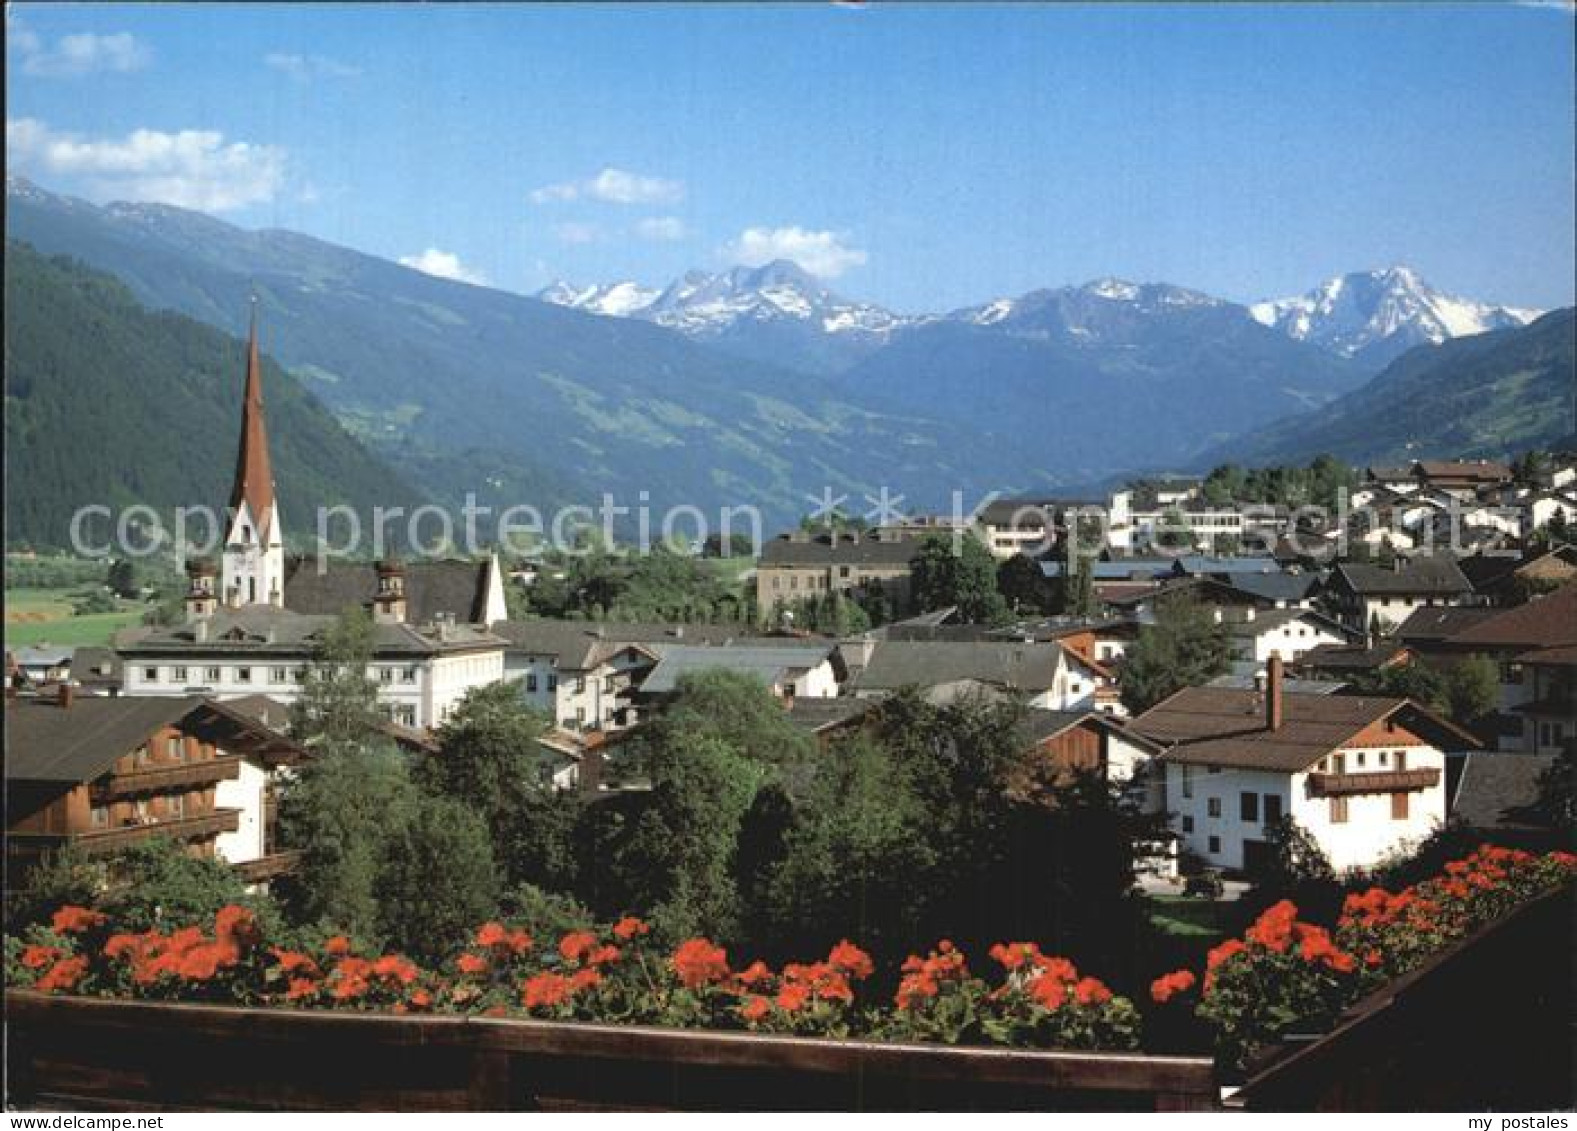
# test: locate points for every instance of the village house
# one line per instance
(1508, 579)
(790, 671)
(1368, 597)
(1059, 744)
(1040, 674)
(801, 565)
(100, 774)
(1532, 646)
(1254, 635)
(1364, 776)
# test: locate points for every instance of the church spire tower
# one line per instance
(254, 557)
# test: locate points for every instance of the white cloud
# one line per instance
(664, 229)
(575, 233)
(81, 53)
(445, 265)
(305, 68)
(612, 186)
(188, 168)
(821, 253)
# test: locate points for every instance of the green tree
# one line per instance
(852, 858)
(1185, 647)
(337, 708)
(1023, 585)
(965, 580)
(436, 880)
(490, 761)
(159, 884)
(339, 811)
(122, 579)
(1472, 689)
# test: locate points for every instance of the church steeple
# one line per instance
(254, 476)
(254, 556)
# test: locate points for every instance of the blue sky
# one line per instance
(923, 157)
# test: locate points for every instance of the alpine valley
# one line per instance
(754, 385)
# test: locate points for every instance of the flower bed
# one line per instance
(1281, 973)
(1285, 972)
(613, 975)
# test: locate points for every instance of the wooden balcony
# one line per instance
(197, 827)
(161, 779)
(1380, 781)
(268, 867)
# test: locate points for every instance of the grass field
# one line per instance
(1187, 916)
(43, 616)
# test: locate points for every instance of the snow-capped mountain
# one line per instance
(1375, 316)
(618, 300)
(777, 312)
(1090, 310)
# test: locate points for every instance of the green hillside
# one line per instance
(1490, 395)
(107, 402)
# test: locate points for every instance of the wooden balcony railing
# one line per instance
(1380, 781)
(87, 1053)
(155, 779)
(268, 867)
(182, 828)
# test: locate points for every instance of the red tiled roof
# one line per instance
(1544, 622)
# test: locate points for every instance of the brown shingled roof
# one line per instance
(1226, 727)
(1544, 622)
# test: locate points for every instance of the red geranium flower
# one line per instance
(851, 960)
(337, 945)
(699, 962)
(63, 975)
(629, 927)
(1167, 985)
(71, 919)
(469, 963)
(755, 1008)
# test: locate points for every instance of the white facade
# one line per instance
(414, 691)
(253, 566)
(246, 792)
(579, 699)
(1252, 643)
(1210, 812)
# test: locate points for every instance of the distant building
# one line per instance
(1366, 595)
(800, 565)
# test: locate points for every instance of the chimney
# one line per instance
(1273, 693)
(64, 694)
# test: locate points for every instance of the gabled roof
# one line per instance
(771, 665)
(254, 477)
(1279, 586)
(1544, 622)
(268, 631)
(1343, 658)
(895, 548)
(49, 743)
(1037, 725)
(897, 663)
(1478, 470)
(1440, 622)
(1498, 791)
(818, 715)
(581, 645)
(1226, 727)
(1436, 576)
(432, 588)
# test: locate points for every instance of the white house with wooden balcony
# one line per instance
(1365, 776)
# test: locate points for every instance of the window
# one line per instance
(1215, 846)
(1272, 808)
(408, 674)
(1385, 758)
(843, 571)
(140, 758)
(1338, 810)
(278, 674)
(1213, 807)
(175, 806)
(405, 714)
(1248, 806)
(1188, 781)
(531, 681)
(553, 682)
(178, 675)
(1401, 760)
(1188, 824)
(1399, 806)
(1212, 769)
(580, 684)
(243, 675)
(1339, 764)
(580, 715)
(175, 749)
(101, 816)
(1360, 759)
(385, 675)
(150, 675)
